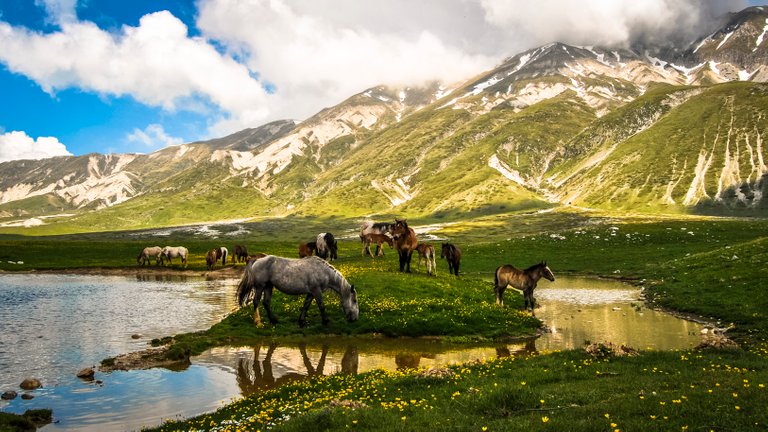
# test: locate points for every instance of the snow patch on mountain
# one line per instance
(759, 40)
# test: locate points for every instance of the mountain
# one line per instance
(611, 128)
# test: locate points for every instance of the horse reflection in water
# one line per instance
(256, 375)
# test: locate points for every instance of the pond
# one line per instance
(54, 325)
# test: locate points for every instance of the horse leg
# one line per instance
(321, 306)
(408, 256)
(268, 303)
(256, 299)
(303, 314)
(401, 255)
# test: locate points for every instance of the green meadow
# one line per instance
(713, 268)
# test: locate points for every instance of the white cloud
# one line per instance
(605, 22)
(18, 145)
(156, 63)
(59, 11)
(153, 137)
(311, 54)
(316, 59)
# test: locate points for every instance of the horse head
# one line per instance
(399, 228)
(349, 304)
(546, 273)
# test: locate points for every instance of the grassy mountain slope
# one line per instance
(701, 147)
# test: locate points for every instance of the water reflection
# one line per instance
(72, 322)
(270, 364)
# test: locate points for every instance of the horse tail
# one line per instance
(245, 287)
(496, 277)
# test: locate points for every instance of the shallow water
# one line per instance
(54, 325)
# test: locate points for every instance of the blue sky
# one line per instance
(117, 76)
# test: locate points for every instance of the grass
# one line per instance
(708, 267)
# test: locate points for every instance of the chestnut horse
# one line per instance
(405, 243)
(524, 280)
(210, 259)
(378, 239)
(427, 253)
(307, 249)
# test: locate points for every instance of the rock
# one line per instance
(86, 373)
(9, 395)
(136, 336)
(31, 384)
(27, 396)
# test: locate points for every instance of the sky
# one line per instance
(114, 76)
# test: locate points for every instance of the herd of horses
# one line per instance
(312, 273)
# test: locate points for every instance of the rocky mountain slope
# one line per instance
(617, 129)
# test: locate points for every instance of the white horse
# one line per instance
(152, 251)
(308, 276)
(170, 252)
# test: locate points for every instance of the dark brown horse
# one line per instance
(240, 254)
(452, 254)
(405, 243)
(524, 280)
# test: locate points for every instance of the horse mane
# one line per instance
(535, 266)
(338, 276)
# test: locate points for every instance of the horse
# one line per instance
(524, 280)
(308, 276)
(405, 243)
(327, 247)
(170, 252)
(379, 239)
(452, 254)
(427, 253)
(151, 251)
(222, 252)
(307, 249)
(371, 227)
(240, 254)
(210, 259)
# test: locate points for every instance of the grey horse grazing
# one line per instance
(170, 252)
(152, 251)
(524, 280)
(308, 276)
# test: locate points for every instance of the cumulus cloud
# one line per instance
(261, 60)
(314, 59)
(606, 22)
(156, 63)
(18, 145)
(153, 137)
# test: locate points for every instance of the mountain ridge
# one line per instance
(554, 125)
